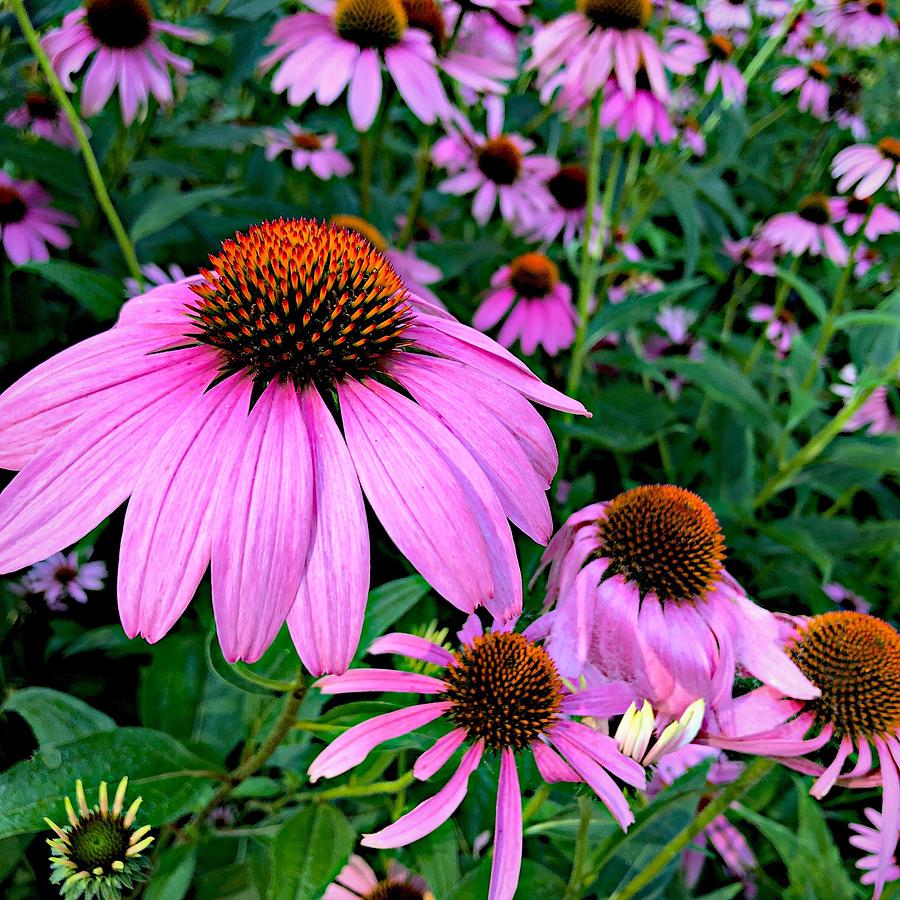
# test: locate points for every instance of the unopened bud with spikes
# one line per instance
(99, 853)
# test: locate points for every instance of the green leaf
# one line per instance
(726, 384)
(682, 198)
(437, 859)
(160, 769)
(388, 603)
(535, 881)
(172, 877)
(226, 671)
(167, 209)
(814, 301)
(309, 851)
(55, 717)
(101, 295)
(55, 166)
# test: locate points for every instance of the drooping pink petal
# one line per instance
(434, 758)
(326, 619)
(365, 90)
(42, 402)
(889, 757)
(355, 744)
(419, 497)
(431, 813)
(413, 646)
(357, 680)
(551, 765)
(604, 750)
(601, 702)
(167, 535)
(260, 547)
(85, 472)
(507, 861)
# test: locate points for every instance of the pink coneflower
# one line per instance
(757, 254)
(416, 274)
(841, 595)
(676, 322)
(288, 314)
(129, 54)
(869, 838)
(674, 11)
(718, 49)
(692, 135)
(856, 23)
(542, 312)
(640, 113)
(868, 167)
(852, 212)
(358, 881)
(781, 327)
(344, 43)
(632, 281)
(580, 50)
(510, 11)
(808, 230)
(875, 414)
(154, 276)
(773, 9)
(844, 105)
(42, 117)
(866, 259)
(724, 837)
(63, 577)
(854, 661)
(316, 152)
(799, 36)
(638, 579)
(28, 223)
(502, 693)
(812, 81)
(498, 167)
(566, 211)
(728, 15)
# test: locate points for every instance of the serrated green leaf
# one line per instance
(159, 768)
(309, 851)
(55, 717)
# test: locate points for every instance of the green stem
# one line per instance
(361, 790)
(573, 888)
(590, 249)
(755, 771)
(255, 761)
(817, 444)
(270, 684)
(742, 285)
(536, 801)
(781, 296)
(366, 154)
(412, 210)
(768, 120)
(837, 305)
(87, 154)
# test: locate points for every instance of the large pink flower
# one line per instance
(868, 167)
(856, 23)
(854, 661)
(343, 42)
(499, 167)
(129, 54)
(28, 223)
(542, 312)
(580, 50)
(502, 693)
(641, 596)
(211, 405)
(808, 230)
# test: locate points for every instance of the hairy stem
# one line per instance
(573, 888)
(87, 154)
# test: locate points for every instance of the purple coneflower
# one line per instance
(342, 44)
(641, 596)
(63, 577)
(717, 49)
(640, 112)
(781, 327)
(154, 276)
(542, 313)
(502, 693)
(757, 254)
(854, 661)
(28, 223)
(42, 117)
(853, 212)
(129, 54)
(856, 23)
(875, 414)
(358, 881)
(841, 595)
(869, 838)
(566, 212)
(728, 15)
(229, 450)
(307, 150)
(811, 79)
(808, 230)
(499, 167)
(868, 167)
